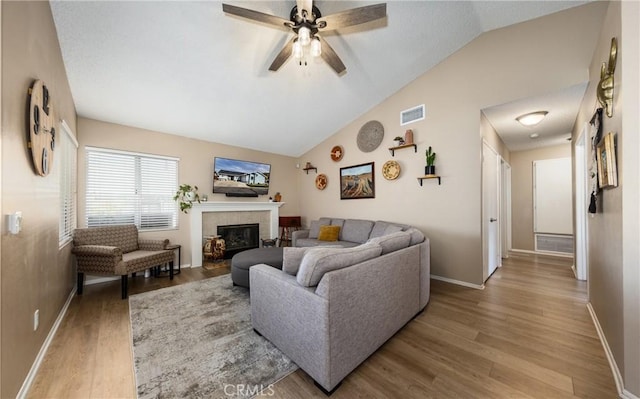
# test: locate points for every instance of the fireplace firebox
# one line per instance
(239, 237)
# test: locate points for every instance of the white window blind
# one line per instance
(125, 187)
(67, 154)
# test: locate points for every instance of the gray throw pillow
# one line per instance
(314, 228)
(416, 236)
(291, 258)
(318, 261)
(392, 242)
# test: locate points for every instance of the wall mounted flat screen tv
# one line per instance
(237, 178)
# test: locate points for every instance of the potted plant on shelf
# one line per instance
(186, 196)
(398, 141)
(430, 169)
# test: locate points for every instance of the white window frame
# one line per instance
(67, 157)
(141, 207)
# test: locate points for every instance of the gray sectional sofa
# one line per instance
(353, 232)
(330, 308)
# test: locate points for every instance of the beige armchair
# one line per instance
(116, 250)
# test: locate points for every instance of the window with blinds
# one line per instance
(125, 187)
(67, 156)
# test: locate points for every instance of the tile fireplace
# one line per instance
(198, 211)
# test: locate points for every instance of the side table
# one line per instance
(179, 248)
(288, 224)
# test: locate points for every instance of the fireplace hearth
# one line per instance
(239, 237)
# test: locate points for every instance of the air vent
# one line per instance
(412, 115)
(554, 243)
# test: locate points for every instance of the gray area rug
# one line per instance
(195, 340)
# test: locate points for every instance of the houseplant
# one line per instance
(398, 141)
(430, 169)
(186, 196)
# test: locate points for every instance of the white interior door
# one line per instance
(490, 200)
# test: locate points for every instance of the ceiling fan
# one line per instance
(306, 21)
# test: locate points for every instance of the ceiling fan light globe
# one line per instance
(304, 35)
(316, 47)
(297, 49)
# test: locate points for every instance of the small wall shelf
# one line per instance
(307, 169)
(421, 178)
(392, 149)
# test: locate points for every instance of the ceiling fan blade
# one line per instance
(304, 5)
(282, 56)
(354, 16)
(330, 57)
(256, 16)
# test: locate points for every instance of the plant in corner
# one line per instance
(185, 196)
(398, 141)
(430, 169)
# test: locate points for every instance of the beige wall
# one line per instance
(35, 273)
(630, 98)
(522, 191)
(2, 221)
(195, 168)
(493, 69)
(490, 135)
(613, 230)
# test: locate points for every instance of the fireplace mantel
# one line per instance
(227, 206)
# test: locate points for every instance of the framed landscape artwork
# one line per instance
(357, 181)
(606, 155)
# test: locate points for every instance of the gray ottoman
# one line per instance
(242, 261)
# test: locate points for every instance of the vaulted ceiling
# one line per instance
(188, 69)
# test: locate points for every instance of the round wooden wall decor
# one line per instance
(337, 153)
(42, 132)
(391, 170)
(321, 181)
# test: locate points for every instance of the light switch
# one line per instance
(15, 222)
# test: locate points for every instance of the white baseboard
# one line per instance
(628, 395)
(458, 282)
(617, 377)
(575, 272)
(43, 350)
(526, 251)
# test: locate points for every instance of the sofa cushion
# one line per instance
(392, 228)
(356, 230)
(318, 261)
(291, 258)
(329, 233)
(337, 222)
(416, 236)
(314, 228)
(123, 236)
(381, 228)
(314, 242)
(392, 242)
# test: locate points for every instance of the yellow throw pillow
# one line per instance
(329, 233)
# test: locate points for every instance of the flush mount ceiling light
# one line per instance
(532, 118)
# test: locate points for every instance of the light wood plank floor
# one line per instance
(527, 335)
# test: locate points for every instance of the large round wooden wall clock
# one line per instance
(42, 132)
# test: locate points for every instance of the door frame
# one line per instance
(485, 218)
(505, 208)
(581, 184)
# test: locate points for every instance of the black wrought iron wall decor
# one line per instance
(596, 136)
